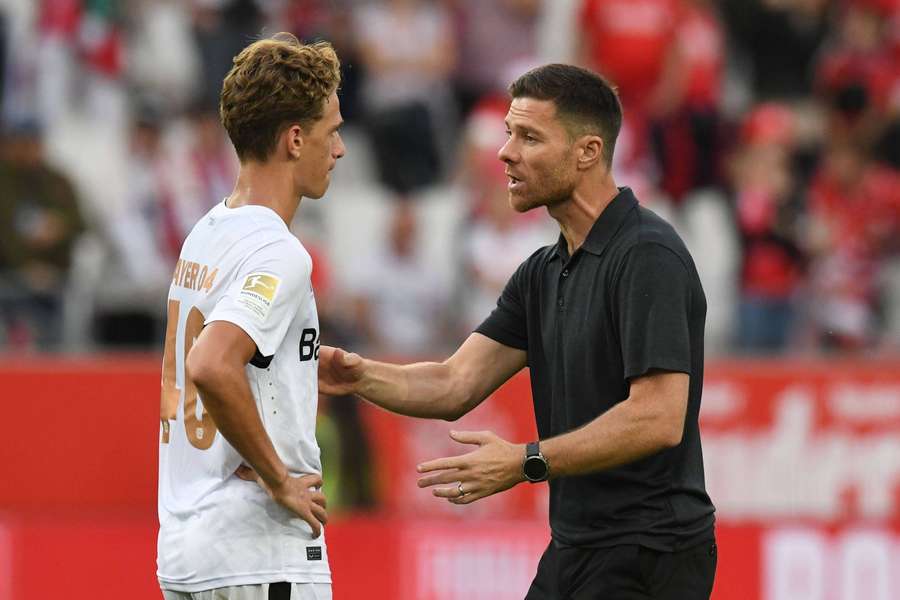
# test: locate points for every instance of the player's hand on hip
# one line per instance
(495, 466)
(299, 495)
(339, 371)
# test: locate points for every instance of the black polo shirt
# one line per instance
(628, 301)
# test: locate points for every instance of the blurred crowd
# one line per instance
(765, 130)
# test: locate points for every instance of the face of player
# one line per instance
(539, 155)
(322, 147)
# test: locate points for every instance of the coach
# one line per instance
(610, 322)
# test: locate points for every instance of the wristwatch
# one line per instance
(535, 467)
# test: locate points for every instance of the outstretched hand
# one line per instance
(495, 466)
(339, 372)
(299, 495)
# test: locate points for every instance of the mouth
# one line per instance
(514, 182)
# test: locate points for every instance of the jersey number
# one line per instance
(200, 432)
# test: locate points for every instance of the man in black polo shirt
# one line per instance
(610, 322)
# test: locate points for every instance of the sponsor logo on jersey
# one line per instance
(258, 293)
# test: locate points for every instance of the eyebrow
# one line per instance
(520, 127)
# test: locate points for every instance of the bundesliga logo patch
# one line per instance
(258, 293)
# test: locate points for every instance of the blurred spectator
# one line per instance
(4, 43)
(212, 162)
(859, 76)
(221, 30)
(81, 57)
(399, 303)
(493, 38)
(685, 108)
(39, 223)
(484, 132)
(628, 41)
(409, 52)
(163, 59)
(854, 221)
(769, 212)
(145, 237)
(347, 456)
(780, 40)
(330, 20)
(631, 43)
(495, 242)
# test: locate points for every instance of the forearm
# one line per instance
(426, 389)
(619, 436)
(228, 399)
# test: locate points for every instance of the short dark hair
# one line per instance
(585, 101)
(275, 82)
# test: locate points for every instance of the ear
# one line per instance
(590, 151)
(293, 140)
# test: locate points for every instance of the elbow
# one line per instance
(669, 431)
(454, 413)
(671, 437)
(202, 372)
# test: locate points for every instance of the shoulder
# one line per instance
(648, 234)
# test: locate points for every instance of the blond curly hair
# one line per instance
(274, 83)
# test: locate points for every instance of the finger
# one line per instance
(446, 492)
(246, 473)
(439, 478)
(440, 464)
(469, 497)
(313, 523)
(348, 359)
(319, 513)
(319, 499)
(313, 480)
(472, 437)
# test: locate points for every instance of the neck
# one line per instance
(266, 184)
(578, 214)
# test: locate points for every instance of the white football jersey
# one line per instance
(240, 265)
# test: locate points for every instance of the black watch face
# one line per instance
(535, 468)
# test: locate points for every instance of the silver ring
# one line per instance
(459, 487)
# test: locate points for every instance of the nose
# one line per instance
(505, 153)
(339, 148)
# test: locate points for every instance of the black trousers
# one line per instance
(625, 572)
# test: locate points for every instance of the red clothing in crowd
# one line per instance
(628, 41)
(862, 219)
(772, 262)
(702, 43)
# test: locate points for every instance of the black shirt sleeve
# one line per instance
(653, 296)
(506, 323)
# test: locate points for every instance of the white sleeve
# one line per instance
(269, 289)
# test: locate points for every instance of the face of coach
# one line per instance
(562, 128)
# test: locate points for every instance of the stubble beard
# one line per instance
(557, 189)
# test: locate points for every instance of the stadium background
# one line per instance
(765, 130)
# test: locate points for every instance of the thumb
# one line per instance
(349, 359)
(472, 437)
(246, 473)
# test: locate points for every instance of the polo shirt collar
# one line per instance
(605, 227)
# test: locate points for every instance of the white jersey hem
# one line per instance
(248, 579)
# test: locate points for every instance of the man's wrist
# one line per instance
(535, 466)
(517, 465)
(276, 481)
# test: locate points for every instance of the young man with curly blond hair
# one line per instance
(240, 506)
